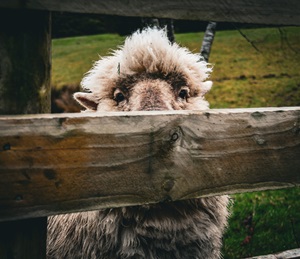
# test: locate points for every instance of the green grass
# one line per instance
(261, 222)
(245, 77)
(73, 57)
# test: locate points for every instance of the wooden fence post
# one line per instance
(23, 239)
(25, 61)
(25, 64)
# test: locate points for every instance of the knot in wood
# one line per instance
(6, 147)
(168, 185)
(175, 134)
(19, 197)
(257, 115)
(260, 141)
(296, 128)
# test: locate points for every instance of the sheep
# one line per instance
(146, 73)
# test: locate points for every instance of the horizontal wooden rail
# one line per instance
(59, 163)
(280, 12)
(289, 254)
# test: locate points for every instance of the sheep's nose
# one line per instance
(153, 101)
(152, 95)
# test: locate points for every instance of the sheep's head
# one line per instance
(147, 73)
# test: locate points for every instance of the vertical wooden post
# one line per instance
(25, 64)
(25, 61)
(23, 239)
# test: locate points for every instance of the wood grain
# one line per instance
(52, 164)
(279, 12)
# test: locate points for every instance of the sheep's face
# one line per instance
(151, 92)
(145, 92)
(147, 73)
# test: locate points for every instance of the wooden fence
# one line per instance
(52, 164)
(64, 163)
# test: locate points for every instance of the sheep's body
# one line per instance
(147, 73)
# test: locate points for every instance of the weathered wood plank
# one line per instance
(289, 254)
(25, 61)
(280, 12)
(70, 162)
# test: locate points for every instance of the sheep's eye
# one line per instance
(183, 93)
(119, 97)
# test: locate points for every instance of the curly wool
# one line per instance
(184, 229)
(148, 51)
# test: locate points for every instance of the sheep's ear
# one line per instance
(87, 100)
(205, 87)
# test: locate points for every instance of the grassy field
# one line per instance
(244, 76)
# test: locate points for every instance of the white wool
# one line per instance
(147, 51)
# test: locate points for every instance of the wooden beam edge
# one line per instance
(259, 12)
(148, 113)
